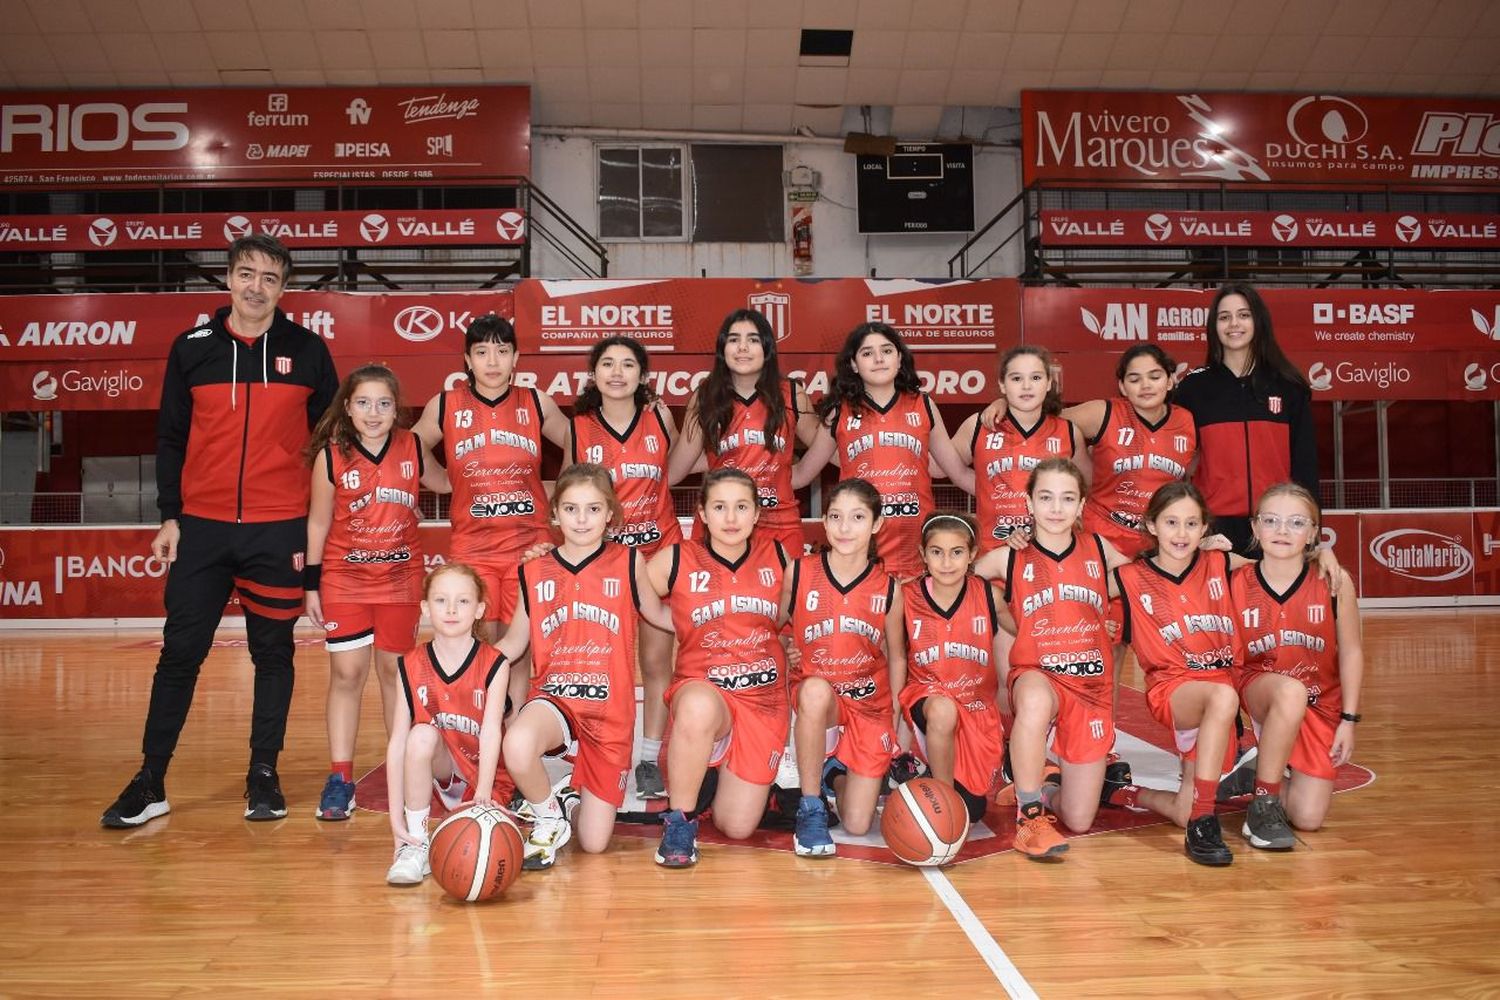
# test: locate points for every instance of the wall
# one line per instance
(564, 169)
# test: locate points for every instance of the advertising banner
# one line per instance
(297, 230)
(1141, 228)
(250, 135)
(1417, 553)
(1105, 136)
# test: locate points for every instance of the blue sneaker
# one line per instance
(679, 841)
(811, 839)
(337, 800)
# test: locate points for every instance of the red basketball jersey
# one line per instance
(889, 448)
(840, 631)
(453, 704)
(1179, 624)
(744, 447)
(1060, 601)
(1295, 633)
(1003, 460)
(583, 625)
(1132, 460)
(373, 554)
(950, 650)
(637, 464)
(725, 616)
(493, 450)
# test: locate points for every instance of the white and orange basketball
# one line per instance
(925, 822)
(475, 853)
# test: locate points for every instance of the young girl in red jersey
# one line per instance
(364, 561)
(490, 434)
(454, 690)
(1303, 668)
(746, 416)
(846, 618)
(728, 699)
(577, 614)
(887, 432)
(1028, 430)
(617, 423)
(951, 690)
(1061, 665)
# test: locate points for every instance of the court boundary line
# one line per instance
(1015, 985)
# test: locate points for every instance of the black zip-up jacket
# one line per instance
(234, 419)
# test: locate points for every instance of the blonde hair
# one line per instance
(1297, 492)
(464, 570)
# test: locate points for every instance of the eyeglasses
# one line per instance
(364, 405)
(1275, 522)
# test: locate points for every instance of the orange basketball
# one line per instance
(475, 853)
(924, 822)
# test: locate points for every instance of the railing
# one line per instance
(23, 509)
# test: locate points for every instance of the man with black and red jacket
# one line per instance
(239, 396)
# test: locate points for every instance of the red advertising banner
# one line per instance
(1107, 136)
(808, 316)
(1422, 231)
(1417, 553)
(263, 135)
(298, 230)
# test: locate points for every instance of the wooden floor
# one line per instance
(1400, 894)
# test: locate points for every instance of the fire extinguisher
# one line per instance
(802, 240)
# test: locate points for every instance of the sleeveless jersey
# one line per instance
(889, 448)
(950, 650)
(744, 447)
(841, 631)
(1132, 460)
(1179, 624)
(493, 450)
(1003, 460)
(637, 464)
(1060, 601)
(453, 705)
(1295, 633)
(583, 626)
(373, 554)
(725, 616)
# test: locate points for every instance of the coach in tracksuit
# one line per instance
(239, 396)
(1253, 411)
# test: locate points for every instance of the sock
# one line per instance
(1267, 787)
(650, 750)
(344, 769)
(416, 821)
(1049, 793)
(1129, 796)
(157, 767)
(266, 757)
(1028, 803)
(1204, 790)
(548, 808)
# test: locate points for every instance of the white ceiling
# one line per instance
(732, 65)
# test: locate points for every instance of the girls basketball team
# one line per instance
(912, 628)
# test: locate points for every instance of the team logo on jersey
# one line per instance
(652, 444)
(299, 561)
(1273, 403)
(1054, 445)
(1315, 613)
(1215, 589)
(981, 624)
(914, 419)
(330, 627)
(1092, 568)
(776, 307)
(479, 699)
(611, 586)
(1096, 728)
(1146, 604)
(283, 365)
(877, 603)
(1180, 442)
(523, 417)
(408, 469)
(767, 577)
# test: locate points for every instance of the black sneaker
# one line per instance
(1116, 776)
(1205, 842)
(145, 798)
(263, 793)
(904, 767)
(1240, 780)
(1266, 825)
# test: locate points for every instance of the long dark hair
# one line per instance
(335, 426)
(863, 491)
(846, 388)
(1154, 352)
(590, 399)
(714, 404)
(1265, 354)
(1052, 403)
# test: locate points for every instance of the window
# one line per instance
(641, 192)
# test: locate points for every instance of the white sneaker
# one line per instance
(453, 796)
(547, 838)
(410, 866)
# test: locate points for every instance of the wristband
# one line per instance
(1349, 716)
(312, 577)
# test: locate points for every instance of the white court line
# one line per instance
(994, 956)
